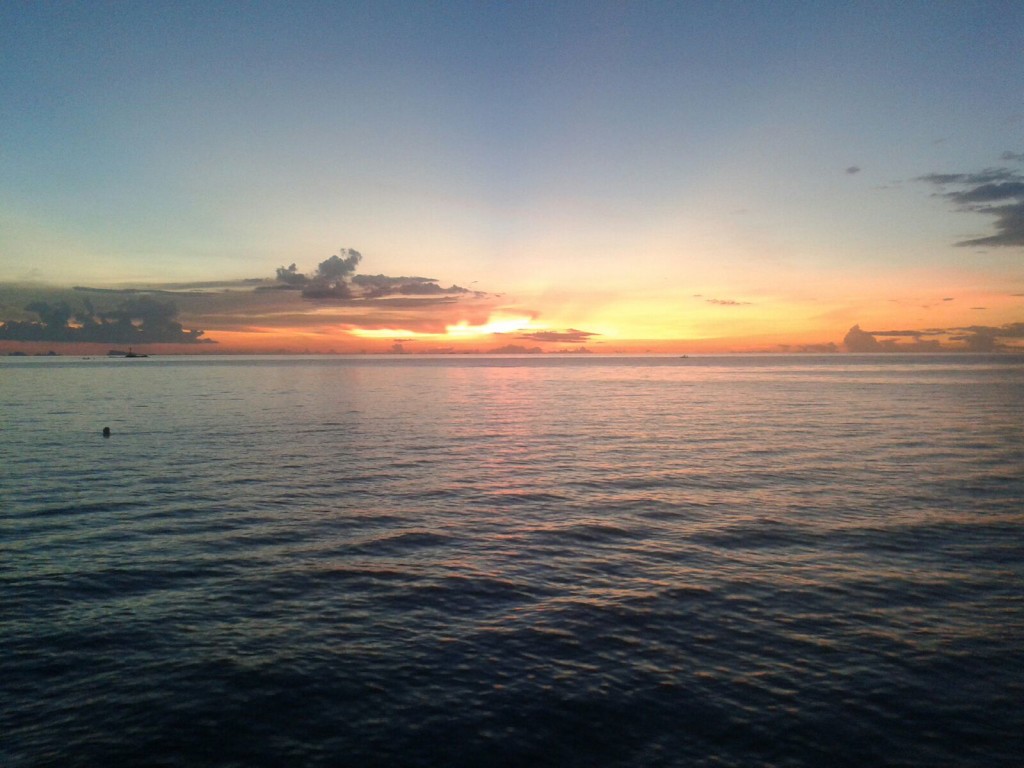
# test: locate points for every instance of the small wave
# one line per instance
(82, 509)
(403, 541)
(592, 532)
(524, 497)
(759, 535)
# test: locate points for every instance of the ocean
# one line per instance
(512, 561)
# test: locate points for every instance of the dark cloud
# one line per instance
(168, 290)
(255, 310)
(138, 320)
(857, 340)
(339, 267)
(914, 334)
(567, 336)
(1009, 222)
(290, 277)
(335, 280)
(975, 338)
(331, 278)
(1012, 157)
(330, 281)
(338, 289)
(410, 302)
(987, 176)
(240, 306)
(853, 169)
(1008, 331)
(981, 341)
(987, 193)
(376, 286)
(979, 192)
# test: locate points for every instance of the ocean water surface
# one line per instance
(523, 561)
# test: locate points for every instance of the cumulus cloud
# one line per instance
(857, 340)
(335, 279)
(995, 192)
(329, 281)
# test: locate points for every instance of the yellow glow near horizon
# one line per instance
(462, 330)
(498, 324)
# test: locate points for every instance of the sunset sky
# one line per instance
(719, 176)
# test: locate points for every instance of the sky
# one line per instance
(613, 176)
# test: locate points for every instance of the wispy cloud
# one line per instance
(375, 286)
(728, 302)
(996, 192)
(570, 335)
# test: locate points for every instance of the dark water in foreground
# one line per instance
(788, 561)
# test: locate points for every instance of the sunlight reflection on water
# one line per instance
(738, 561)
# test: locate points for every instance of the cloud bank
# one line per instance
(321, 305)
(137, 320)
(974, 338)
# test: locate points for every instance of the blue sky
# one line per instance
(603, 159)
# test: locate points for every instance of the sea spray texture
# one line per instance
(785, 561)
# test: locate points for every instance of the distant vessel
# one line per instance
(122, 353)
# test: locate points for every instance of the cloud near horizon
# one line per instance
(333, 306)
(329, 300)
(975, 338)
(138, 319)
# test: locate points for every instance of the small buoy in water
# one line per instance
(106, 431)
